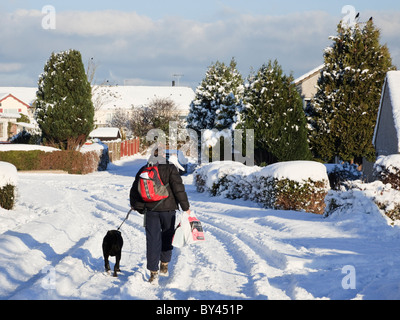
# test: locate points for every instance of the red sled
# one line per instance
(196, 228)
(188, 231)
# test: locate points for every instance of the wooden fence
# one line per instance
(120, 149)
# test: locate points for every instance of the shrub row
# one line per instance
(387, 170)
(73, 162)
(271, 192)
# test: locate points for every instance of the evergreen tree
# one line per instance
(343, 113)
(274, 109)
(218, 99)
(64, 108)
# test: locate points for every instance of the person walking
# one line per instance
(160, 218)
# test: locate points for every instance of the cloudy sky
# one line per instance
(148, 42)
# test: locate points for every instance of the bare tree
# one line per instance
(156, 115)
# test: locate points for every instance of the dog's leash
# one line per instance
(125, 219)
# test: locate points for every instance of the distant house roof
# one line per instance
(138, 96)
(106, 133)
(4, 96)
(392, 86)
(27, 95)
(308, 74)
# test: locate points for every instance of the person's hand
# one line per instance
(188, 212)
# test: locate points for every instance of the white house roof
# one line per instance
(105, 133)
(119, 96)
(25, 94)
(392, 83)
(138, 96)
(308, 74)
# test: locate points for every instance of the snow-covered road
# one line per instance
(50, 247)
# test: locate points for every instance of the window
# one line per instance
(11, 111)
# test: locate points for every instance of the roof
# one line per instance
(105, 133)
(119, 96)
(308, 74)
(26, 95)
(4, 96)
(138, 96)
(392, 83)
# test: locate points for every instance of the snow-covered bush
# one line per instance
(387, 170)
(366, 198)
(340, 173)
(8, 184)
(292, 185)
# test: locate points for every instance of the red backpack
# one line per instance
(150, 186)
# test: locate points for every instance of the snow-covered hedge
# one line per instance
(387, 170)
(30, 157)
(8, 184)
(358, 196)
(293, 185)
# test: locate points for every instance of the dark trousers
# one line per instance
(160, 228)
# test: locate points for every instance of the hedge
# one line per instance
(235, 181)
(73, 162)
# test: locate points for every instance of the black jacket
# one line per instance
(176, 190)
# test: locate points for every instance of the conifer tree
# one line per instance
(64, 108)
(343, 113)
(274, 109)
(218, 98)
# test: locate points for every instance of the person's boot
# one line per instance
(153, 277)
(164, 269)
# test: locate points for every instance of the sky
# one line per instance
(156, 41)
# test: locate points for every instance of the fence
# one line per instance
(120, 149)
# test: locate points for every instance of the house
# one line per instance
(386, 139)
(106, 134)
(107, 99)
(9, 103)
(306, 85)
(11, 108)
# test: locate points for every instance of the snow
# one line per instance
(105, 133)
(50, 245)
(391, 162)
(393, 82)
(8, 174)
(25, 147)
(298, 171)
(137, 96)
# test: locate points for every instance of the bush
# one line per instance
(7, 196)
(73, 162)
(387, 170)
(8, 183)
(250, 183)
(338, 174)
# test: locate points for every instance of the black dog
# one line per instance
(112, 246)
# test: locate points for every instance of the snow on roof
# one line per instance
(25, 94)
(137, 96)
(308, 74)
(119, 96)
(105, 133)
(393, 82)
